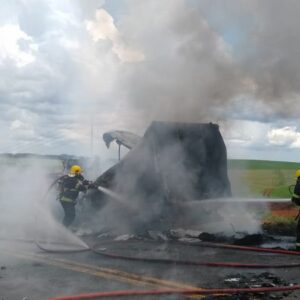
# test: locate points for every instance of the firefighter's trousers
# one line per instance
(69, 210)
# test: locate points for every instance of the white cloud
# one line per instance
(74, 134)
(11, 40)
(22, 128)
(286, 136)
(243, 133)
(103, 28)
(22, 131)
(54, 77)
(16, 124)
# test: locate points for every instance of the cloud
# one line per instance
(245, 133)
(50, 70)
(103, 28)
(286, 136)
(16, 45)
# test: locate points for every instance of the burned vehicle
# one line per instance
(171, 164)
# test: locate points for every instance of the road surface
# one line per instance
(26, 271)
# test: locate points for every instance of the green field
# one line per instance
(257, 178)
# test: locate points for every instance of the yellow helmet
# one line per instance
(75, 169)
(297, 173)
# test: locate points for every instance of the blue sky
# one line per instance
(124, 63)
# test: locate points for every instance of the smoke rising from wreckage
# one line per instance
(173, 163)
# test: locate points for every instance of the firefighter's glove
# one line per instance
(89, 184)
(92, 185)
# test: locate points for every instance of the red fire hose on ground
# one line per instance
(249, 248)
(199, 263)
(212, 264)
(230, 291)
(194, 263)
(128, 293)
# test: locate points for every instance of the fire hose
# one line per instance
(189, 262)
(189, 291)
(224, 291)
(210, 264)
(60, 251)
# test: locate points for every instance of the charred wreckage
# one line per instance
(171, 164)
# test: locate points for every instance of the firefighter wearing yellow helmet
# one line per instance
(75, 169)
(69, 187)
(296, 200)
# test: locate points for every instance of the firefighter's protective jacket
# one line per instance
(70, 186)
(296, 194)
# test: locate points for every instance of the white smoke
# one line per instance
(29, 210)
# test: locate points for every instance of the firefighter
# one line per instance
(296, 200)
(69, 187)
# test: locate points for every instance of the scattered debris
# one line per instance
(157, 235)
(232, 280)
(250, 239)
(252, 280)
(209, 237)
(238, 239)
(192, 236)
(188, 240)
(82, 232)
(184, 233)
(124, 237)
(3, 268)
(103, 235)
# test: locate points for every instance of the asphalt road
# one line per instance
(26, 271)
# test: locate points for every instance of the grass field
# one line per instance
(257, 178)
(269, 179)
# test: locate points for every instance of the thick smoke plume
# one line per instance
(200, 65)
(188, 71)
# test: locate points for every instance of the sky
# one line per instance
(69, 65)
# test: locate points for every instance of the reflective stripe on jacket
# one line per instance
(65, 199)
